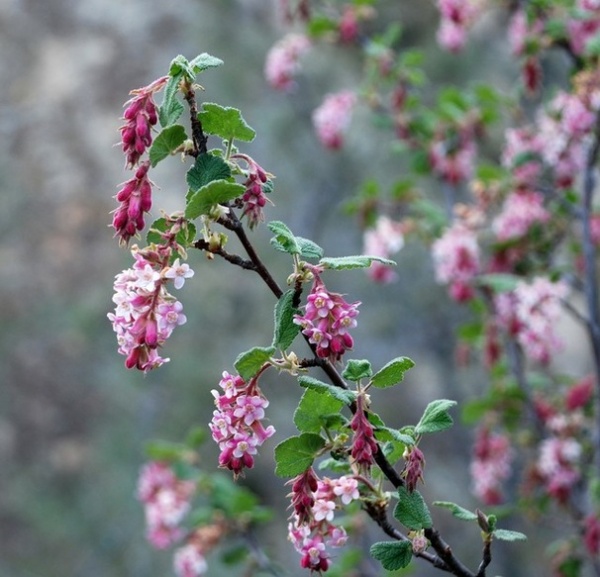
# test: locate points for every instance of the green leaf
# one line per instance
(348, 262)
(308, 248)
(171, 109)
(392, 373)
(165, 451)
(313, 410)
(166, 143)
(387, 433)
(499, 282)
(506, 535)
(456, 510)
(249, 363)
(356, 370)
(436, 417)
(216, 192)
(392, 555)
(342, 395)
(184, 237)
(284, 240)
(225, 122)
(180, 66)
(206, 169)
(412, 511)
(203, 62)
(285, 327)
(296, 454)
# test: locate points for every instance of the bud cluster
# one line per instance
(364, 447)
(254, 198)
(236, 425)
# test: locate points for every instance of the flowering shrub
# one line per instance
(519, 248)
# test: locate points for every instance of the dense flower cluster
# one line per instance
(453, 158)
(456, 260)
(313, 532)
(529, 313)
(384, 239)
(146, 313)
(490, 466)
(236, 425)
(558, 465)
(188, 561)
(326, 321)
(456, 18)
(254, 197)
(166, 500)
(520, 211)
(282, 62)
(364, 447)
(332, 118)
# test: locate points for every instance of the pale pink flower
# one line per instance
(332, 118)
(282, 62)
(453, 161)
(178, 272)
(323, 510)
(558, 465)
(522, 154)
(520, 211)
(384, 240)
(519, 30)
(451, 35)
(188, 561)
(346, 488)
(490, 466)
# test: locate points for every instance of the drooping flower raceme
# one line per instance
(282, 63)
(166, 501)
(236, 425)
(326, 321)
(332, 118)
(456, 260)
(146, 313)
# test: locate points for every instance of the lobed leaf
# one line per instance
(284, 239)
(435, 417)
(356, 370)
(314, 409)
(341, 395)
(392, 555)
(412, 511)
(166, 143)
(225, 122)
(250, 362)
(206, 169)
(216, 192)
(392, 373)
(296, 454)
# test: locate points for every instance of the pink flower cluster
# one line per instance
(166, 500)
(457, 17)
(332, 118)
(135, 195)
(364, 447)
(384, 239)
(490, 466)
(529, 313)
(522, 154)
(282, 62)
(254, 197)
(456, 260)
(314, 531)
(453, 159)
(521, 210)
(145, 313)
(189, 561)
(236, 425)
(557, 465)
(326, 321)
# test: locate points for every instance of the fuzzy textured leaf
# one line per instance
(349, 262)
(412, 511)
(225, 122)
(296, 454)
(356, 370)
(342, 395)
(456, 510)
(285, 328)
(392, 373)
(166, 143)
(284, 240)
(171, 109)
(206, 169)
(506, 535)
(216, 192)
(203, 62)
(387, 433)
(392, 555)
(435, 417)
(249, 363)
(308, 248)
(313, 410)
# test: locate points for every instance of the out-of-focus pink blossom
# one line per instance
(188, 561)
(457, 16)
(332, 118)
(456, 260)
(453, 161)
(589, 5)
(521, 210)
(558, 465)
(581, 31)
(580, 394)
(490, 466)
(591, 534)
(522, 154)
(384, 240)
(282, 63)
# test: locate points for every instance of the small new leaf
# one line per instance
(184, 237)
(313, 410)
(225, 122)
(342, 395)
(216, 192)
(498, 282)
(392, 555)
(349, 262)
(506, 535)
(249, 363)
(166, 143)
(285, 328)
(296, 454)
(435, 417)
(356, 370)
(412, 511)
(207, 168)
(456, 510)
(171, 109)
(392, 373)
(284, 240)
(308, 248)
(203, 62)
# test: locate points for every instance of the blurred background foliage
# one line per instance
(73, 420)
